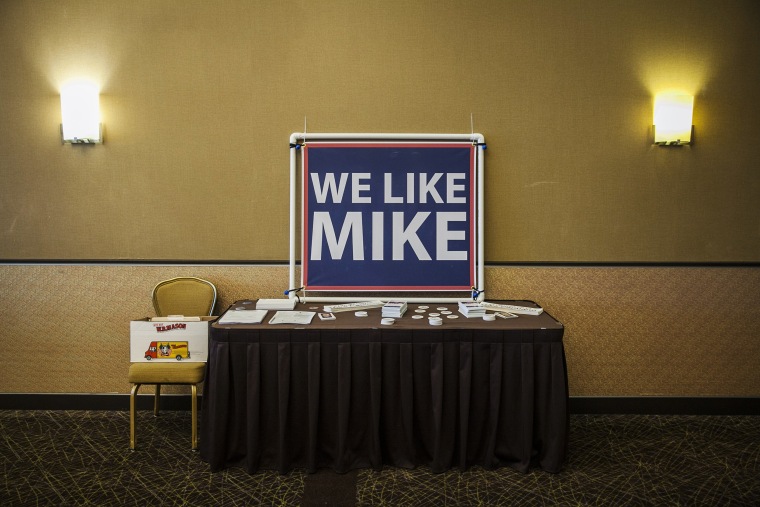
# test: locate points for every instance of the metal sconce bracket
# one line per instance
(676, 142)
(85, 140)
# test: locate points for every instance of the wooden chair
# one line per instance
(187, 296)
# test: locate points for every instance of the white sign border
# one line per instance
(296, 141)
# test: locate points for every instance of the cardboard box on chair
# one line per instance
(169, 339)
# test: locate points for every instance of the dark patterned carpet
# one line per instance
(83, 458)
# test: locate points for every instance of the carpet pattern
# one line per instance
(83, 458)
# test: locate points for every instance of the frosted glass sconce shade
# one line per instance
(80, 113)
(672, 119)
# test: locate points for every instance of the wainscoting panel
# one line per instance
(629, 330)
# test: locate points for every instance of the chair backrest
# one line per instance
(186, 295)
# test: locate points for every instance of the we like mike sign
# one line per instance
(388, 216)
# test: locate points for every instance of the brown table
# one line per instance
(352, 393)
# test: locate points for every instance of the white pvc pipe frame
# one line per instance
(478, 139)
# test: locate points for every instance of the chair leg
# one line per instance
(156, 400)
(132, 418)
(194, 413)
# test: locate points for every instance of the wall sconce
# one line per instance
(672, 119)
(80, 113)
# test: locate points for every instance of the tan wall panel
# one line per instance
(199, 98)
(629, 331)
(66, 328)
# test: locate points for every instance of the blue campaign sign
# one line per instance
(388, 216)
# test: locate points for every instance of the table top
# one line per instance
(450, 321)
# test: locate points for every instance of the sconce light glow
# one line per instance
(672, 119)
(80, 113)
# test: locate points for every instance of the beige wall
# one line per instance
(629, 331)
(199, 99)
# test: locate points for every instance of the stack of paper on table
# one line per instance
(394, 309)
(276, 304)
(471, 309)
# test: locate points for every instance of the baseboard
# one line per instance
(86, 401)
(665, 405)
(649, 405)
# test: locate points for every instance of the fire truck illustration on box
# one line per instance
(167, 350)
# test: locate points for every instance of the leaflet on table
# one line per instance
(292, 317)
(349, 307)
(524, 310)
(242, 317)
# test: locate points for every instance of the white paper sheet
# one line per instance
(292, 317)
(242, 317)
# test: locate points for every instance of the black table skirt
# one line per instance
(342, 399)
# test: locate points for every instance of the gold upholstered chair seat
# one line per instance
(166, 373)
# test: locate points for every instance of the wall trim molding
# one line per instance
(142, 263)
(285, 263)
(643, 405)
